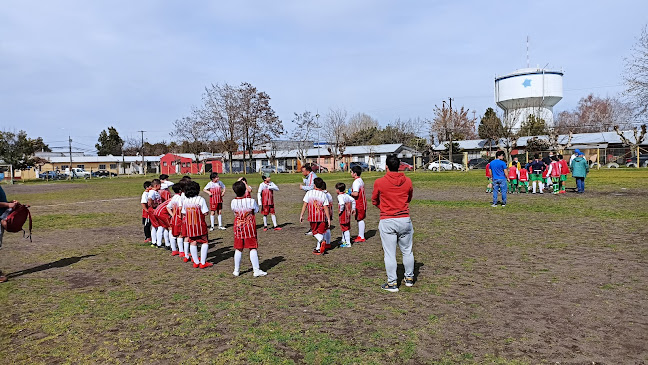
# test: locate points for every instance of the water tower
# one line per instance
(528, 91)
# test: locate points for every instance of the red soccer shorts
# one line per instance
(183, 229)
(345, 226)
(319, 227)
(164, 221)
(199, 239)
(176, 229)
(249, 243)
(154, 220)
(360, 214)
(215, 206)
(267, 209)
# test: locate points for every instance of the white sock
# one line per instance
(153, 235)
(174, 247)
(180, 245)
(327, 236)
(186, 249)
(220, 220)
(534, 186)
(319, 238)
(194, 254)
(254, 259)
(203, 253)
(166, 237)
(265, 220)
(274, 220)
(160, 233)
(346, 236)
(237, 260)
(361, 228)
(211, 218)
(541, 186)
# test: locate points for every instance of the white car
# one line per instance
(443, 165)
(78, 173)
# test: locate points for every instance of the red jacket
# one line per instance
(392, 194)
(488, 170)
(524, 175)
(564, 167)
(513, 172)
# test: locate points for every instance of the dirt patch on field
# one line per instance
(492, 285)
(38, 188)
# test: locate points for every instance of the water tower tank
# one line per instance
(529, 91)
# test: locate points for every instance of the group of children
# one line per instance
(177, 221)
(550, 173)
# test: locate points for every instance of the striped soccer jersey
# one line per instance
(244, 219)
(346, 204)
(194, 210)
(216, 188)
(165, 194)
(144, 200)
(154, 195)
(316, 200)
(175, 204)
(266, 193)
(555, 169)
(361, 200)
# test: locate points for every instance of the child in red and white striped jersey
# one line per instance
(245, 232)
(358, 193)
(265, 197)
(346, 207)
(153, 200)
(215, 189)
(146, 222)
(165, 186)
(175, 211)
(194, 210)
(318, 213)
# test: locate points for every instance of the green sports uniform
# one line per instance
(536, 177)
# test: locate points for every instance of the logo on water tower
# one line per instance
(526, 83)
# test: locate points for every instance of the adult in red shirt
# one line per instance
(392, 194)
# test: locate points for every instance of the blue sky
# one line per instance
(77, 67)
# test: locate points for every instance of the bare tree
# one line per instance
(452, 125)
(636, 74)
(359, 122)
(306, 125)
(510, 134)
(221, 112)
(195, 130)
(638, 136)
(334, 129)
(595, 114)
(554, 141)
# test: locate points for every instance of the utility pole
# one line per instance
(142, 153)
(319, 163)
(70, 145)
(451, 132)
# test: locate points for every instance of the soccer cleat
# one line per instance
(175, 253)
(390, 287)
(196, 266)
(323, 247)
(181, 254)
(222, 228)
(327, 246)
(187, 258)
(317, 252)
(206, 264)
(277, 228)
(153, 245)
(148, 240)
(409, 281)
(265, 228)
(503, 205)
(211, 229)
(345, 244)
(309, 233)
(260, 273)
(359, 239)
(235, 273)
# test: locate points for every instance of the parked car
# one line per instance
(363, 165)
(318, 168)
(404, 166)
(52, 175)
(478, 163)
(443, 165)
(270, 169)
(78, 173)
(103, 173)
(632, 161)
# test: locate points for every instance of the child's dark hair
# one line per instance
(308, 167)
(177, 188)
(319, 183)
(499, 153)
(264, 177)
(244, 179)
(239, 188)
(156, 182)
(187, 177)
(192, 189)
(147, 184)
(213, 175)
(560, 157)
(393, 163)
(341, 187)
(536, 156)
(554, 158)
(357, 170)
(164, 177)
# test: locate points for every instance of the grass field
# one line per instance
(546, 279)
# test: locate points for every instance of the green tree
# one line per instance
(17, 150)
(533, 126)
(109, 143)
(490, 127)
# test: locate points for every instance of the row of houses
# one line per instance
(183, 163)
